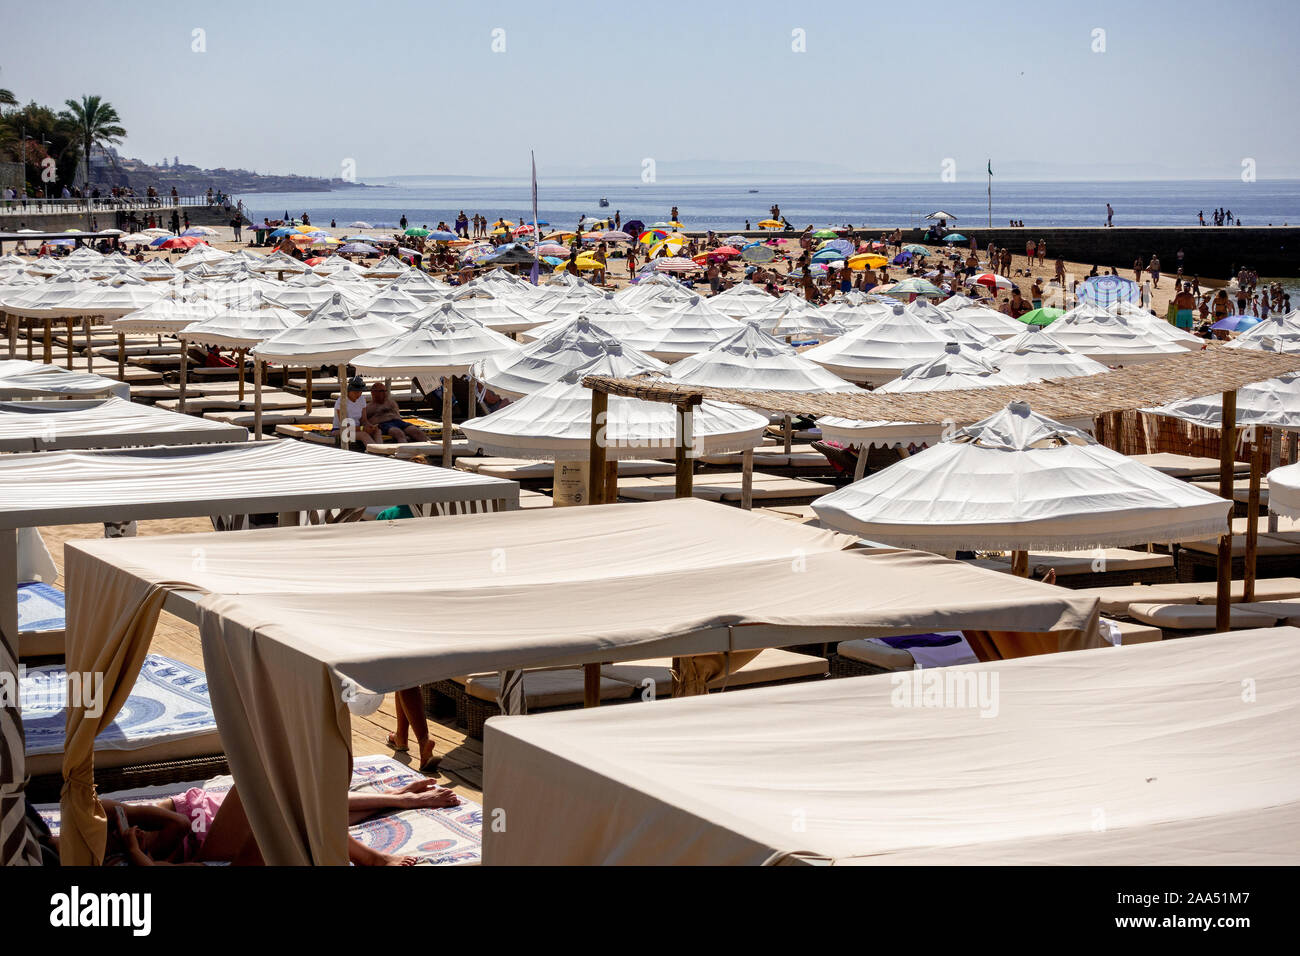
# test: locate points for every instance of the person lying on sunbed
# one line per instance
(202, 826)
(383, 417)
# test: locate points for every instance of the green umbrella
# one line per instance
(1041, 316)
(825, 234)
(914, 286)
(413, 231)
(916, 250)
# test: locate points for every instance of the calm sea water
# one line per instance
(721, 206)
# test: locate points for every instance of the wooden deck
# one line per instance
(462, 764)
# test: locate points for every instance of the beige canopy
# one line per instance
(1170, 753)
(291, 619)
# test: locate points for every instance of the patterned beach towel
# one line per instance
(40, 607)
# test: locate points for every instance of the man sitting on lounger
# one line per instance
(201, 826)
(383, 417)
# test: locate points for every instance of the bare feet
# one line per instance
(431, 799)
(428, 759)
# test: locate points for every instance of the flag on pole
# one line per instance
(990, 173)
(536, 234)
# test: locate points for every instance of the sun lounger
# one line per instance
(199, 404)
(522, 469)
(800, 458)
(40, 620)
(544, 689)
(1187, 467)
(773, 665)
(1105, 567)
(165, 727)
(445, 837)
(725, 487)
(1201, 617)
(1276, 555)
(1116, 600)
(878, 655)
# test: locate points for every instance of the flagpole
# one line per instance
(537, 234)
(990, 194)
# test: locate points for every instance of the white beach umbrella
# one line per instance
(879, 351)
(794, 315)
(742, 300)
(1284, 491)
(442, 341)
(753, 360)
(683, 329)
(554, 423)
(389, 267)
(157, 270)
(852, 310)
(960, 366)
(422, 285)
(397, 306)
(240, 328)
(1113, 339)
(496, 309)
(201, 255)
(280, 262)
(1280, 332)
(1021, 481)
(574, 345)
(164, 317)
(952, 328)
(332, 333)
(1036, 356)
(1274, 403)
(987, 321)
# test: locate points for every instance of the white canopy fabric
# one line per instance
(306, 299)
(574, 345)
(794, 315)
(1112, 339)
(1274, 403)
(1036, 356)
(681, 329)
(606, 312)
(960, 366)
(443, 341)
(752, 359)
(742, 300)
(240, 328)
(499, 309)
(278, 262)
(951, 327)
(852, 310)
(1020, 481)
(985, 320)
(333, 332)
(71, 487)
(879, 351)
(295, 610)
(165, 317)
(554, 423)
(20, 379)
(1153, 736)
(1280, 332)
(109, 423)
(396, 305)
(116, 300)
(1284, 491)
(48, 299)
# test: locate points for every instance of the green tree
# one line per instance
(34, 132)
(97, 124)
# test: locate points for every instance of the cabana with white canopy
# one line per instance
(22, 380)
(1115, 339)
(241, 329)
(1156, 734)
(879, 351)
(1035, 356)
(186, 481)
(1019, 481)
(293, 609)
(103, 423)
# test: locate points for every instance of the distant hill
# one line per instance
(193, 181)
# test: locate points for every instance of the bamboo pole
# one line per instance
(1252, 518)
(1227, 446)
(447, 423)
(596, 458)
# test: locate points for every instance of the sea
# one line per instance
(727, 206)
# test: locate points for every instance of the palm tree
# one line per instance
(97, 124)
(7, 98)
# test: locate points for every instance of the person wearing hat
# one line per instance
(383, 417)
(356, 412)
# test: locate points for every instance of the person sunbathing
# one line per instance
(383, 417)
(200, 827)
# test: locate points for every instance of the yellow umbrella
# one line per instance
(584, 263)
(770, 224)
(306, 229)
(670, 245)
(503, 222)
(866, 260)
(500, 232)
(559, 234)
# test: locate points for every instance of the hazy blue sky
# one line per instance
(1182, 89)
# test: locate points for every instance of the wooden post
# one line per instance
(1227, 446)
(31, 338)
(596, 471)
(69, 323)
(343, 404)
(788, 433)
(447, 423)
(309, 390)
(239, 358)
(11, 326)
(49, 343)
(1274, 462)
(747, 479)
(611, 481)
(472, 410)
(1252, 518)
(90, 346)
(1020, 563)
(257, 399)
(590, 685)
(860, 466)
(121, 356)
(685, 460)
(185, 369)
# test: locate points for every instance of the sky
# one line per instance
(1182, 90)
